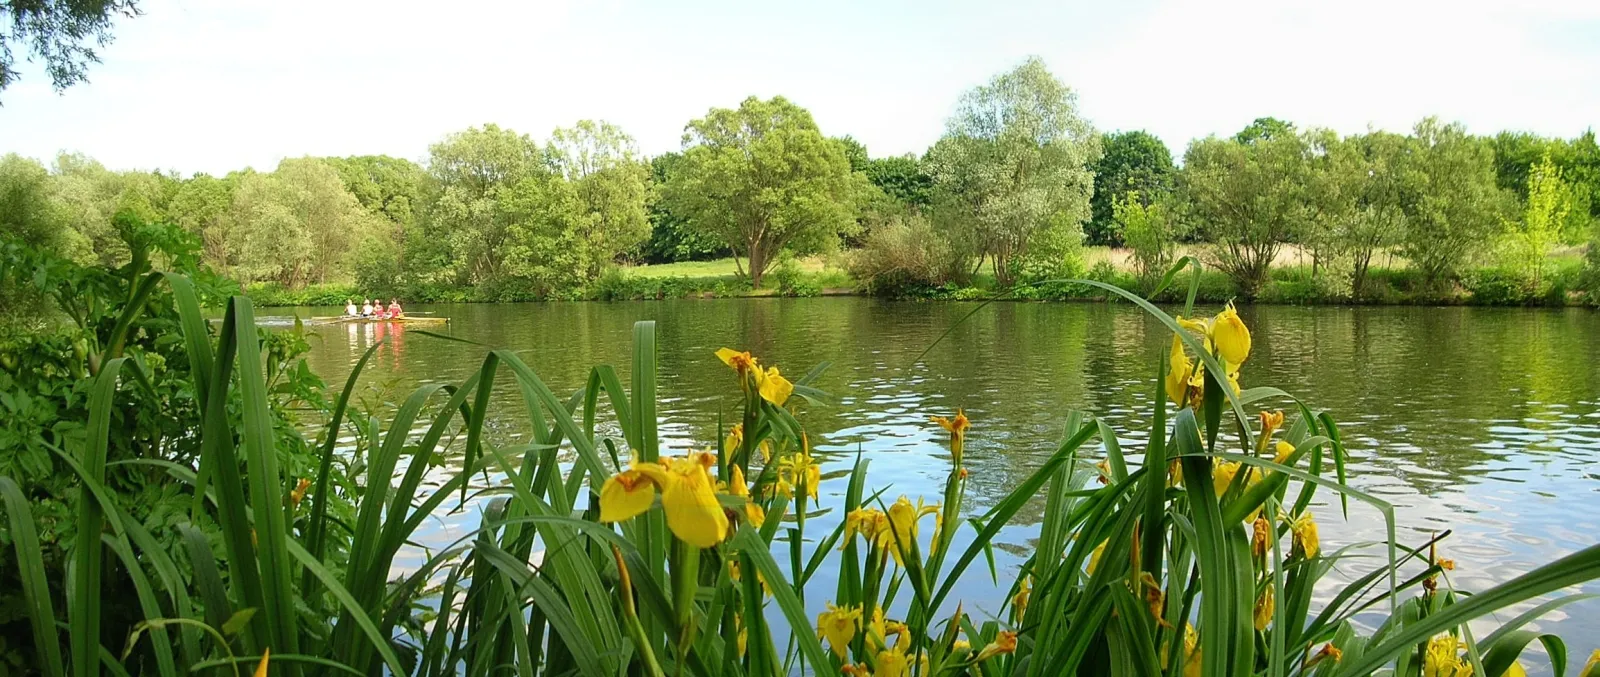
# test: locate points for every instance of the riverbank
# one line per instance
(1290, 285)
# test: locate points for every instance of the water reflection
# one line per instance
(1485, 421)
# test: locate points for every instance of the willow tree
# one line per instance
(1013, 169)
(612, 181)
(1249, 198)
(764, 180)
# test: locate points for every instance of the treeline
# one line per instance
(1014, 188)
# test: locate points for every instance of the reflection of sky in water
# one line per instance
(1484, 421)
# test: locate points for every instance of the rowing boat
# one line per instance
(409, 319)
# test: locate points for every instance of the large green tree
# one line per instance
(1014, 170)
(671, 237)
(27, 213)
(1454, 208)
(1248, 198)
(764, 180)
(1135, 161)
(297, 225)
(391, 189)
(1374, 169)
(903, 178)
(201, 206)
(612, 183)
(90, 195)
(61, 34)
(468, 172)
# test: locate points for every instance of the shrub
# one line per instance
(1497, 287)
(904, 257)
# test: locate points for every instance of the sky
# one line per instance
(197, 86)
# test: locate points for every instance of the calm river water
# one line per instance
(1484, 421)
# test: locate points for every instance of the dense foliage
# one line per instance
(1014, 186)
(83, 323)
(763, 180)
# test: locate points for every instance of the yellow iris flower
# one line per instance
(1271, 421)
(903, 518)
(839, 626)
(1226, 336)
(1004, 643)
(1260, 537)
(1231, 337)
(1440, 659)
(693, 513)
(799, 470)
(893, 663)
(957, 427)
(1265, 605)
(871, 524)
(261, 668)
(1024, 591)
(1285, 450)
(1191, 651)
(769, 382)
(1328, 652)
(735, 438)
(773, 386)
(1591, 668)
(741, 361)
(1305, 535)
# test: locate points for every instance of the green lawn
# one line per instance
(712, 268)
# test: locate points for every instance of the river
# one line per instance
(1484, 421)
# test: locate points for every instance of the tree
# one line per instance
(55, 32)
(1014, 168)
(671, 237)
(201, 206)
(27, 213)
(1453, 206)
(297, 225)
(1377, 163)
(855, 152)
(902, 178)
(90, 195)
(613, 185)
(1248, 199)
(1549, 202)
(764, 180)
(1264, 129)
(469, 170)
(1147, 229)
(1136, 162)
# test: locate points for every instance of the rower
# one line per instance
(349, 308)
(395, 312)
(366, 308)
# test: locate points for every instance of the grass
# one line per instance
(579, 569)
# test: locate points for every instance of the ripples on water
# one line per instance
(1483, 421)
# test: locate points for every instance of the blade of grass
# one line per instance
(31, 571)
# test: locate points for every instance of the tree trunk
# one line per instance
(758, 264)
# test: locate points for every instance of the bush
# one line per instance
(1497, 287)
(905, 257)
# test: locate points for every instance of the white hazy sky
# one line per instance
(216, 86)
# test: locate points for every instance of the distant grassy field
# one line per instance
(712, 268)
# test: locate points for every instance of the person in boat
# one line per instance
(395, 312)
(350, 309)
(366, 308)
